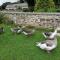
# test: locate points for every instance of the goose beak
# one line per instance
(37, 43)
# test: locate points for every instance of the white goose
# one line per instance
(50, 43)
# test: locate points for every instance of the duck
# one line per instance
(49, 44)
(16, 30)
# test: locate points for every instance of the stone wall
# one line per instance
(46, 20)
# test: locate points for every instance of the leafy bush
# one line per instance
(2, 18)
(8, 21)
(44, 6)
(5, 19)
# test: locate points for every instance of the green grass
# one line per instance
(21, 47)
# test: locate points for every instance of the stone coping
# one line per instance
(34, 13)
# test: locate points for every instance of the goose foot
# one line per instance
(48, 51)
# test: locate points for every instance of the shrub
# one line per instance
(5, 19)
(2, 18)
(8, 21)
(44, 6)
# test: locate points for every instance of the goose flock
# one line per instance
(48, 45)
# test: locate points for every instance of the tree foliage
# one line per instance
(31, 4)
(3, 6)
(44, 6)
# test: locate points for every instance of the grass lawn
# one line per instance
(21, 47)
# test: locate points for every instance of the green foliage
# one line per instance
(44, 6)
(5, 19)
(2, 18)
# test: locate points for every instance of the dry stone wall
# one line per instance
(46, 20)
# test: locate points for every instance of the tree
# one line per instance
(3, 6)
(31, 4)
(44, 6)
(21, 1)
(0, 7)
